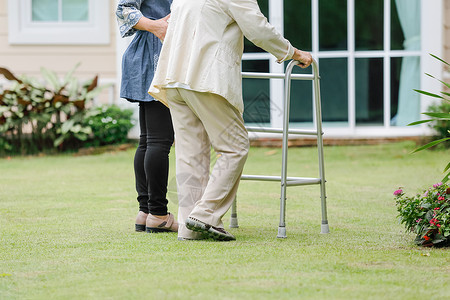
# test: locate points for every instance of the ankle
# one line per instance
(163, 217)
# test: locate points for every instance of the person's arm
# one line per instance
(128, 15)
(260, 32)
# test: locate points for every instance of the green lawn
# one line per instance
(66, 229)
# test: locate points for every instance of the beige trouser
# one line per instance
(201, 120)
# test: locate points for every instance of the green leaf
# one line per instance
(69, 75)
(430, 145)
(443, 61)
(419, 122)
(446, 178)
(51, 78)
(72, 89)
(67, 126)
(81, 136)
(447, 167)
(443, 82)
(58, 141)
(438, 115)
(76, 128)
(95, 92)
(429, 94)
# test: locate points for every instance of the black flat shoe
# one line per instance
(139, 227)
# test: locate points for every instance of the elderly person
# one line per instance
(198, 77)
(146, 20)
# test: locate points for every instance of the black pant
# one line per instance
(151, 161)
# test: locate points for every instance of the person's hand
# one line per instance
(160, 27)
(303, 57)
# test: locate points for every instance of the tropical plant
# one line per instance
(437, 117)
(40, 115)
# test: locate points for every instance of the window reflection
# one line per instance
(405, 102)
(369, 24)
(297, 23)
(256, 93)
(369, 91)
(334, 91)
(249, 46)
(397, 36)
(301, 98)
(333, 25)
(44, 10)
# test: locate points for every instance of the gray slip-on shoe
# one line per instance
(216, 233)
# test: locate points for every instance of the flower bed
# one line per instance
(427, 214)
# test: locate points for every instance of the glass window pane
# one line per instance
(301, 98)
(75, 10)
(397, 37)
(334, 91)
(369, 24)
(405, 24)
(405, 102)
(249, 46)
(297, 23)
(256, 93)
(44, 10)
(332, 25)
(369, 91)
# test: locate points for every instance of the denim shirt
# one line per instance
(141, 57)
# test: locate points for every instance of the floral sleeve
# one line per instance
(128, 14)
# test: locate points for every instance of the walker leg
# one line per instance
(234, 218)
(318, 119)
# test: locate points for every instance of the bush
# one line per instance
(110, 125)
(441, 126)
(50, 116)
(427, 215)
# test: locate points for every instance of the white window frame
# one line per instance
(431, 42)
(22, 31)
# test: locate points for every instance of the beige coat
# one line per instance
(204, 43)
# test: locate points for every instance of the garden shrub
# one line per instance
(47, 116)
(426, 214)
(110, 125)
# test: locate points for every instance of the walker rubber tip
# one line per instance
(281, 233)
(324, 228)
(234, 223)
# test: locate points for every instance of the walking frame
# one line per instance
(285, 131)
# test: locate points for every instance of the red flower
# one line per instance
(426, 238)
(441, 198)
(434, 221)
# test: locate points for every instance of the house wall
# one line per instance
(446, 39)
(28, 59)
